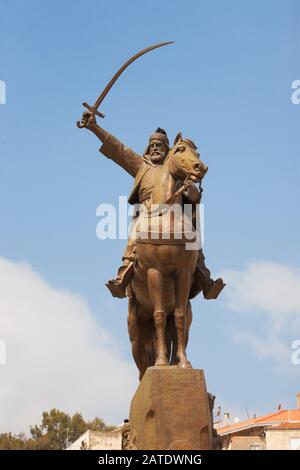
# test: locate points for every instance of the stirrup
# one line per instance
(215, 289)
(116, 289)
(118, 286)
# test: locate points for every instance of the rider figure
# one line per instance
(146, 170)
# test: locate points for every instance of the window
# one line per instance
(295, 443)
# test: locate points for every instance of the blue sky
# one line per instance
(226, 84)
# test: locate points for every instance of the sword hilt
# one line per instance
(81, 124)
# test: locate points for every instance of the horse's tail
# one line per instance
(171, 340)
(150, 348)
(142, 333)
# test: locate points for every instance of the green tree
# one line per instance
(9, 441)
(77, 428)
(96, 425)
(56, 427)
(57, 431)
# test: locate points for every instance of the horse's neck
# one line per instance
(164, 187)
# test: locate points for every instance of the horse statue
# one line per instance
(159, 310)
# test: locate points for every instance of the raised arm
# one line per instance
(112, 148)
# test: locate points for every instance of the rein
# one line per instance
(161, 209)
(186, 183)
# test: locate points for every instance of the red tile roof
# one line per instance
(285, 426)
(279, 417)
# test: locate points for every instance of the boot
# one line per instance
(213, 288)
(117, 286)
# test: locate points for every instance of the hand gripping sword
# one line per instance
(94, 109)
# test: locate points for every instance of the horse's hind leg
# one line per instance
(182, 287)
(137, 348)
(156, 291)
(172, 333)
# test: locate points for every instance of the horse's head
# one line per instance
(184, 160)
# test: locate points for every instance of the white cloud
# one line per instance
(265, 347)
(272, 290)
(56, 355)
(263, 285)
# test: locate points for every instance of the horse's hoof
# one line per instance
(161, 361)
(185, 365)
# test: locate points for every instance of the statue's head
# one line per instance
(158, 147)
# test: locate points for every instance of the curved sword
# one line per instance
(94, 109)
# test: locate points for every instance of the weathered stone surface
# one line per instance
(170, 410)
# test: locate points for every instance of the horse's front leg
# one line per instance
(188, 322)
(182, 320)
(156, 291)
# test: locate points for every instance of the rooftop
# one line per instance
(282, 418)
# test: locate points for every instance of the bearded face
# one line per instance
(157, 150)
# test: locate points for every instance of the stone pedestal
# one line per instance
(170, 410)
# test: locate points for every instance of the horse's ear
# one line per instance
(178, 138)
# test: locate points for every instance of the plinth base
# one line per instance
(170, 410)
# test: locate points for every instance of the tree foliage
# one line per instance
(57, 431)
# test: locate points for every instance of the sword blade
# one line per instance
(121, 70)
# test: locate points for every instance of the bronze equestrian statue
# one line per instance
(159, 274)
(159, 309)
